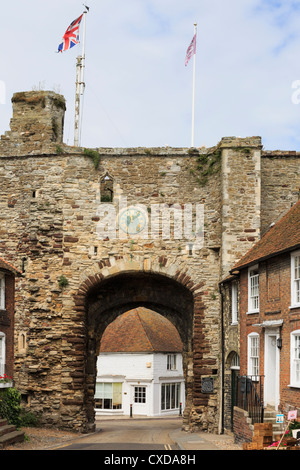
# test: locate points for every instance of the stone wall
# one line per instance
(280, 174)
(75, 281)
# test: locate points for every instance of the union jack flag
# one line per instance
(71, 36)
(191, 50)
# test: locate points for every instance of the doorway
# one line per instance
(271, 386)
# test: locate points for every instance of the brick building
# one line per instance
(264, 289)
(7, 312)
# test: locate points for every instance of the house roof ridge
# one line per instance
(142, 325)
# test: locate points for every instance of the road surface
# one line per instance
(128, 434)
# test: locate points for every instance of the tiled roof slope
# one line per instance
(282, 237)
(141, 330)
(8, 267)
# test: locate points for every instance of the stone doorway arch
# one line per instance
(117, 285)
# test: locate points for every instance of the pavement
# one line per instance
(187, 441)
(202, 441)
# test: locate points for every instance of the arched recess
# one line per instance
(121, 285)
(232, 369)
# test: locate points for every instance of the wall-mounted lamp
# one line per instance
(279, 343)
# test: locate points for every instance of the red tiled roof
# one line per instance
(8, 267)
(141, 330)
(282, 237)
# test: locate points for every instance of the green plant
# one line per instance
(94, 155)
(293, 425)
(208, 164)
(29, 419)
(63, 281)
(59, 150)
(10, 407)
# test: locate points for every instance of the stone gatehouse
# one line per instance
(85, 261)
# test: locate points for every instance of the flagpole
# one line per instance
(77, 101)
(80, 85)
(194, 87)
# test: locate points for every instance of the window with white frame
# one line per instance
(171, 362)
(295, 358)
(2, 291)
(234, 303)
(2, 354)
(253, 354)
(253, 289)
(295, 279)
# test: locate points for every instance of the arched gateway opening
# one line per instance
(103, 299)
(139, 368)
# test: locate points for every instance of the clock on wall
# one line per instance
(132, 220)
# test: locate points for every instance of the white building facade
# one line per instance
(141, 384)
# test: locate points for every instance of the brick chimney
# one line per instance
(38, 118)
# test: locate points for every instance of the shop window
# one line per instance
(170, 396)
(108, 396)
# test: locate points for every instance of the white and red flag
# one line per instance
(191, 49)
(71, 36)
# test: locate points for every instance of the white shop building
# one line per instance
(139, 368)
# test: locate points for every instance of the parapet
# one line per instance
(38, 120)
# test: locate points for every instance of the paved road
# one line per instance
(128, 434)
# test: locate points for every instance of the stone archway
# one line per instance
(117, 285)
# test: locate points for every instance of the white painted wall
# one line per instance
(142, 370)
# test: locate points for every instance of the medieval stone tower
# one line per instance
(98, 232)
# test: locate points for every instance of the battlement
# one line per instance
(38, 120)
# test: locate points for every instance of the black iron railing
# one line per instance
(249, 396)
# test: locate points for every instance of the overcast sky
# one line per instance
(138, 90)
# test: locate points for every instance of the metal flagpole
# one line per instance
(77, 102)
(194, 86)
(80, 85)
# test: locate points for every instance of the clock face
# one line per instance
(132, 220)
